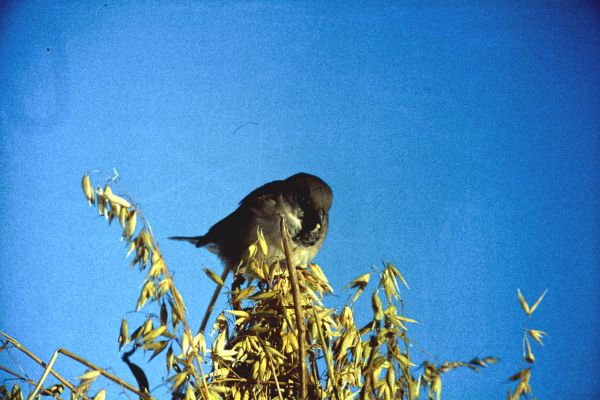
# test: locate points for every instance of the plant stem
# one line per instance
(297, 308)
(38, 360)
(44, 391)
(44, 376)
(271, 365)
(105, 373)
(327, 355)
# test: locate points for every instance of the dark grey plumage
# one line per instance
(302, 199)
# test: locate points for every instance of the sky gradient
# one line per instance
(461, 143)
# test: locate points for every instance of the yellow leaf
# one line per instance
(405, 319)
(238, 313)
(213, 276)
(123, 333)
(377, 306)
(537, 335)
(189, 393)
(318, 272)
(115, 200)
(130, 225)
(389, 286)
(226, 354)
(490, 360)
(537, 302)
(415, 387)
(528, 356)
(150, 336)
(264, 295)
(524, 304)
(147, 327)
(15, 393)
(123, 215)
(436, 387)
(132, 247)
(524, 374)
(360, 282)
(101, 203)
(396, 272)
(346, 342)
(240, 295)
(199, 342)
(89, 376)
(164, 286)
(262, 243)
(357, 295)
(107, 190)
(88, 190)
(148, 291)
(147, 239)
(157, 268)
(170, 358)
(185, 344)
(179, 379)
(101, 395)
(250, 252)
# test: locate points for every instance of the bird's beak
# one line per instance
(322, 216)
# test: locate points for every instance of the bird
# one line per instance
(302, 200)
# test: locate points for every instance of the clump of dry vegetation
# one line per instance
(277, 340)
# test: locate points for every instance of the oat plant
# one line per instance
(276, 339)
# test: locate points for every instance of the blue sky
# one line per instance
(461, 142)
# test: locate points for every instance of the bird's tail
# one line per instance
(197, 241)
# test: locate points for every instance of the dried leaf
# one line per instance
(179, 379)
(130, 225)
(524, 304)
(262, 243)
(213, 276)
(158, 348)
(123, 214)
(164, 314)
(88, 190)
(520, 375)
(101, 395)
(147, 240)
(528, 356)
(16, 393)
(537, 335)
(397, 273)
(150, 336)
(360, 282)
(238, 313)
(114, 199)
(148, 291)
(537, 302)
(89, 376)
(132, 247)
(409, 320)
(123, 334)
(377, 307)
(170, 358)
(243, 294)
(189, 393)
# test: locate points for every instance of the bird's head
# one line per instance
(313, 195)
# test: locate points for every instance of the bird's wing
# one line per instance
(268, 191)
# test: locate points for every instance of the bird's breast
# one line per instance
(302, 255)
